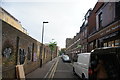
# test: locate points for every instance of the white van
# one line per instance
(81, 67)
(87, 62)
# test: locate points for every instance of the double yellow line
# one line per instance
(52, 70)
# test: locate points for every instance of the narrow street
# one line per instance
(55, 69)
(64, 70)
(40, 39)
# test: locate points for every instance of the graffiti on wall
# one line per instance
(7, 49)
(35, 57)
(7, 52)
(22, 56)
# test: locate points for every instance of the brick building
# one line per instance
(107, 29)
(92, 26)
(68, 40)
(101, 28)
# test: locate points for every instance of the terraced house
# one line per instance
(101, 28)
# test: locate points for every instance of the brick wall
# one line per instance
(19, 48)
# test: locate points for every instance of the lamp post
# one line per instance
(41, 48)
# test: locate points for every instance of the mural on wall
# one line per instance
(38, 51)
(31, 54)
(35, 57)
(8, 53)
(22, 56)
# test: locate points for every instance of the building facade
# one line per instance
(101, 28)
(107, 29)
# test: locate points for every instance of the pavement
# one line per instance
(44, 71)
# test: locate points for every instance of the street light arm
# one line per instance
(45, 22)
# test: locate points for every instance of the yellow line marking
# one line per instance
(53, 70)
(49, 70)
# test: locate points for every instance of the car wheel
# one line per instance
(83, 77)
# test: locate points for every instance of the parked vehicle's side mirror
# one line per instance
(74, 60)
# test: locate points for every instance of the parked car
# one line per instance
(87, 62)
(65, 58)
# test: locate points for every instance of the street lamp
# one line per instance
(41, 48)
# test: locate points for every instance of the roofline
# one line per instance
(9, 14)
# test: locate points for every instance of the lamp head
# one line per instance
(45, 22)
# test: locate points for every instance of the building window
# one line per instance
(117, 42)
(110, 44)
(105, 44)
(86, 22)
(100, 20)
(85, 47)
(117, 10)
(91, 45)
(113, 44)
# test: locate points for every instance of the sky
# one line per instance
(64, 16)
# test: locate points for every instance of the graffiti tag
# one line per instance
(7, 52)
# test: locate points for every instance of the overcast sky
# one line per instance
(64, 17)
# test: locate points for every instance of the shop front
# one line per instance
(107, 37)
(111, 40)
